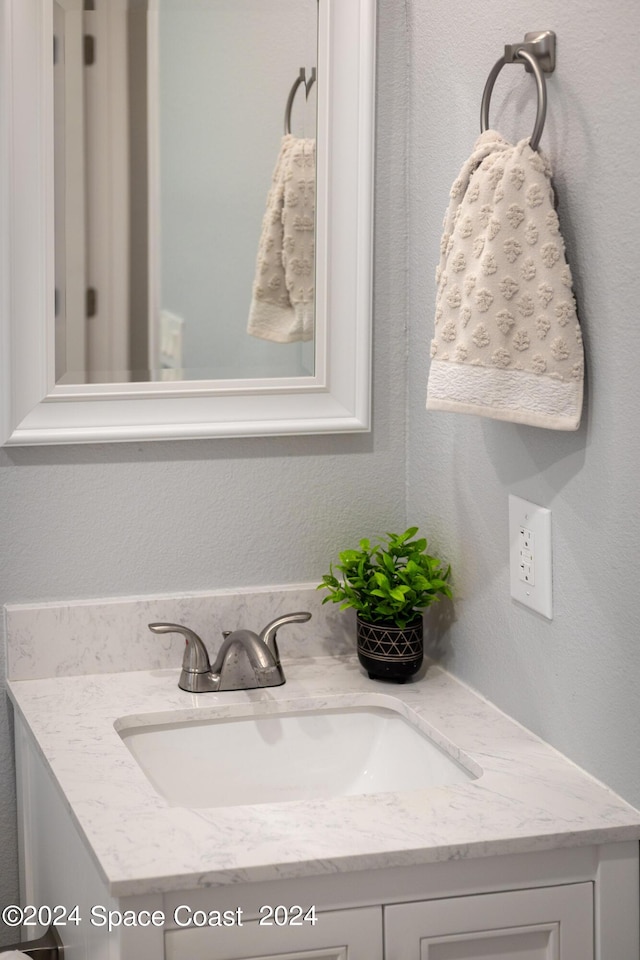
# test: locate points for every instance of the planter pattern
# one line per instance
(389, 652)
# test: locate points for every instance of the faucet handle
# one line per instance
(196, 658)
(268, 635)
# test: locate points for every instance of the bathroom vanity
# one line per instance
(511, 850)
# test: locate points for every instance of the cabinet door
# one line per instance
(336, 935)
(552, 923)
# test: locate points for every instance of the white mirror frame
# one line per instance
(36, 410)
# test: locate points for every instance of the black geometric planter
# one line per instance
(389, 652)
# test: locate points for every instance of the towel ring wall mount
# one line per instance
(300, 79)
(538, 54)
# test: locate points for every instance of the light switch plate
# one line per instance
(530, 555)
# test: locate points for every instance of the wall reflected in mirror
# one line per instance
(169, 143)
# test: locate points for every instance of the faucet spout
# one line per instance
(244, 649)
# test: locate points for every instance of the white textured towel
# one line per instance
(13, 955)
(507, 341)
(282, 306)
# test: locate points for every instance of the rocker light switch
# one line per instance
(530, 555)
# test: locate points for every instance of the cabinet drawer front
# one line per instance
(552, 923)
(336, 935)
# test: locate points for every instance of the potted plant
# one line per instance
(388, 583)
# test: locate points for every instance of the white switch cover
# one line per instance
(530, 555)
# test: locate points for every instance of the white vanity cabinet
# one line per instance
(572, 904)
(336, 935)
(553, 923)
(548, 902)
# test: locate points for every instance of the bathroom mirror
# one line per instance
(316, 383)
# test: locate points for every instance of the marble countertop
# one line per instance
(527, 796)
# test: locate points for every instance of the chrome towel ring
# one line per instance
(301, 78)
(537, 53)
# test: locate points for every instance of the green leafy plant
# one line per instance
(388, 581)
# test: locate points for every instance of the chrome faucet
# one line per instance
(245, 660)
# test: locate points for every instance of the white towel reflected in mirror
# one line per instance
(282, 305)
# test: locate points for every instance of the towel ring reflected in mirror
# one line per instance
(301, 78)
(537, 53)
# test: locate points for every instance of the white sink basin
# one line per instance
(289, 756)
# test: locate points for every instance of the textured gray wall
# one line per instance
(574, 680)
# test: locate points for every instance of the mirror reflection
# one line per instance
(184, 189)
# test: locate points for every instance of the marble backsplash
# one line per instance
(112, 635)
